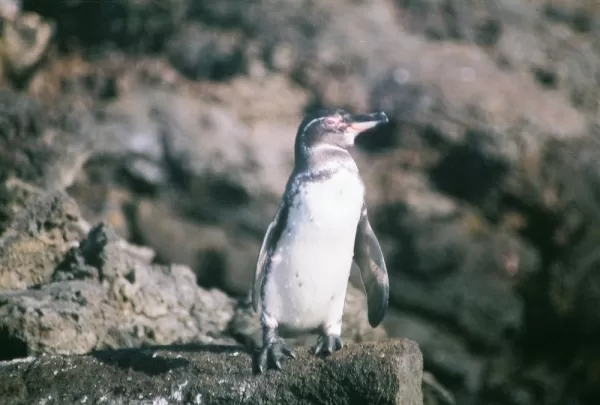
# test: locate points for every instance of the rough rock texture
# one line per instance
(385, 373)
(100, 293)
(36, 242)
(174, 124)
(44, 147)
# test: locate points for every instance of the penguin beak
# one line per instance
(362, 123)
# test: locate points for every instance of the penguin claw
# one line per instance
(288, 351)
(328, 344)
(274, 353)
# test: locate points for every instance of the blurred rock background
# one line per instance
(144, 145)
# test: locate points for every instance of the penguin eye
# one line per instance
(332, 122)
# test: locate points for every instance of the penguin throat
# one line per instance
(327, 147)
(324, 156)
(349, 138)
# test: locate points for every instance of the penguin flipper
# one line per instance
(271, 235)
(373, 272)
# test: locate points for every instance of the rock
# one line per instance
(39, 236)
(24, 41)
(528, 44)
(210, 250)
(437, 236)
(198, 53)
(142, 26)
(446, 355)
(9, 9)
(106, 294)
(23, 120)
(434, 393)
(384, 373)
(100, 202)
(45, 146)
(16, 197)
(188, 138)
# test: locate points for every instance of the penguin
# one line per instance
(319, 228)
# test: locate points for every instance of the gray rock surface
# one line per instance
(383, 373)
(97, 293)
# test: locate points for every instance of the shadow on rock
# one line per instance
(149, 361)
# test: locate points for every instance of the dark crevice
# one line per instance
(105, 25)
(210, 269)
(540, 230)
(489, 32)
(11, 347)
(466, 173)
(546, 78)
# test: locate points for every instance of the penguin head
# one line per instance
(335, 127)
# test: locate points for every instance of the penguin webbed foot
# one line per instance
(328, 344)
(273, 353)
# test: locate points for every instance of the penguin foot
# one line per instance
(272, 354)
(328, 344)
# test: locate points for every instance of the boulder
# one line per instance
(387, 372)
(106, 293)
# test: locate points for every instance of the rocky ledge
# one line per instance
(387, 372)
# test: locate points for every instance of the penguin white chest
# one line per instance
(309, 272)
